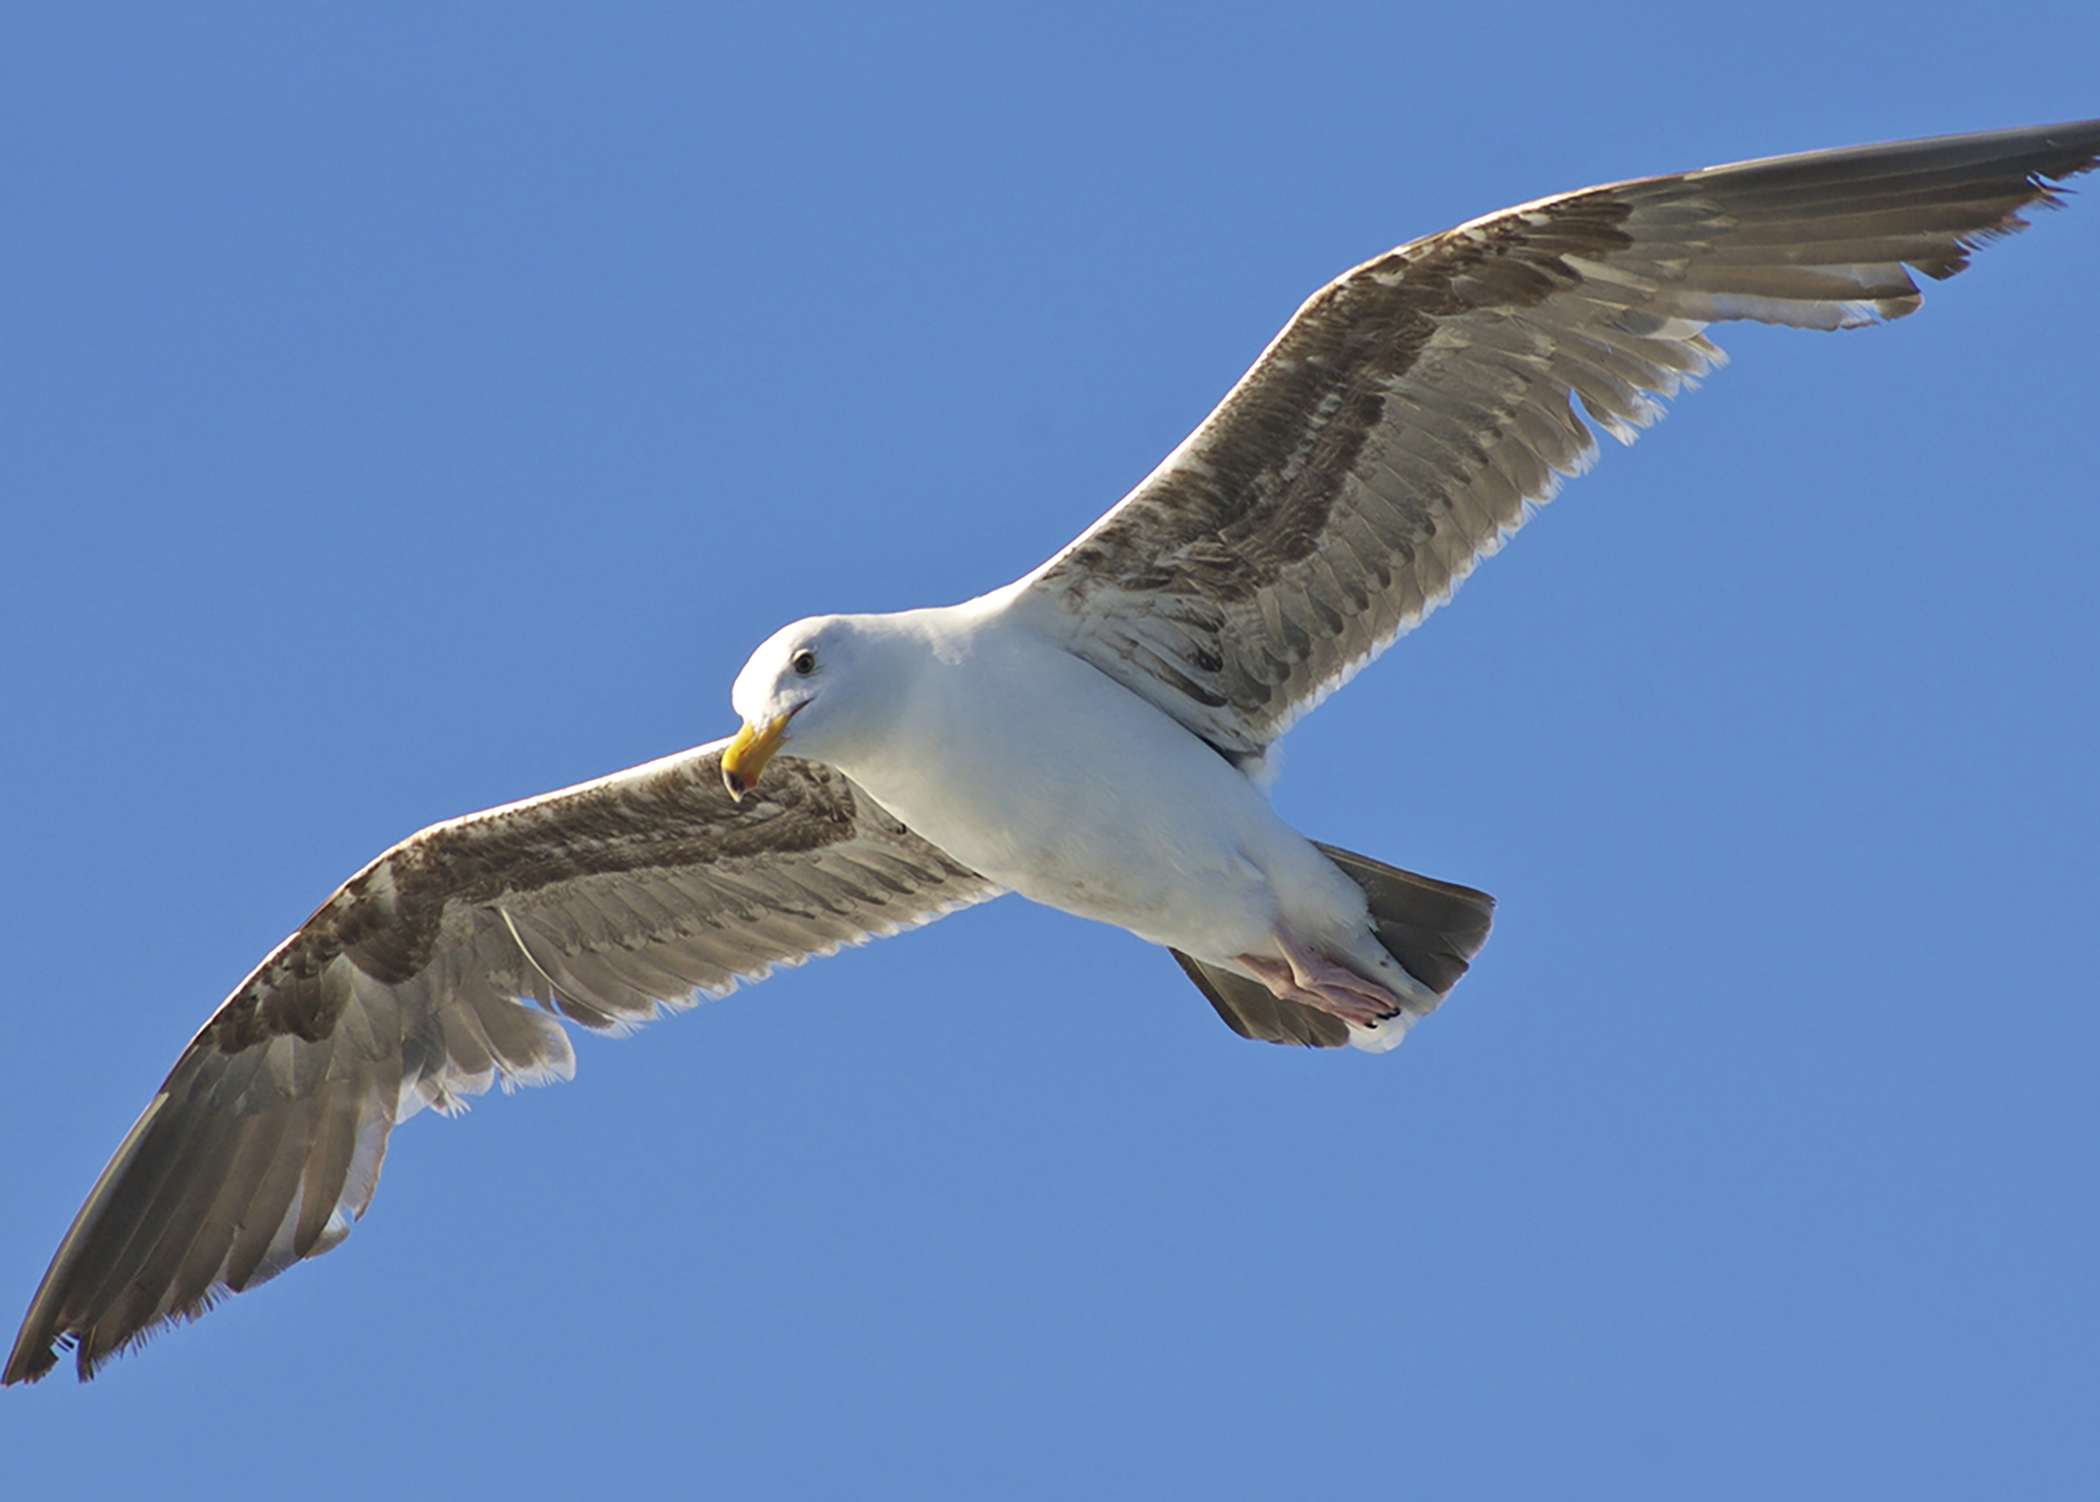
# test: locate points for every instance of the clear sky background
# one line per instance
(408, 408)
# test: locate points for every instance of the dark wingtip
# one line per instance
(32, 1365)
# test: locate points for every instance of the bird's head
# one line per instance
(800, 677)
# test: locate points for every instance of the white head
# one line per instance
(815, 685)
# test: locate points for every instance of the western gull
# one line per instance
(1093, 736)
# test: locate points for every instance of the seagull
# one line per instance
(1096, 736)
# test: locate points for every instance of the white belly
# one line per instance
(1042, 773)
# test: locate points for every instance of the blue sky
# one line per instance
(412, 408)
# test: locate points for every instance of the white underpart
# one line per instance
(1045, 775)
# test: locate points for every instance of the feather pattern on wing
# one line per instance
(1411, 414)
(411, 987)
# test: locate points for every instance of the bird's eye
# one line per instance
(804, 662)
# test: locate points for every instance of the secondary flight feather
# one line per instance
(1091, 736)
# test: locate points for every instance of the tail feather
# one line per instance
(1431, 928)
(1250, 1011)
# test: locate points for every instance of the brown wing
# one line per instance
(600, 903)
(1409, 415)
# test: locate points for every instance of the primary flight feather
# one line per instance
(1092, 736)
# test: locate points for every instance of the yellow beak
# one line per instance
(746, 756)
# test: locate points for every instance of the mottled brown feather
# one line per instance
(1405, 420)
(603, 903)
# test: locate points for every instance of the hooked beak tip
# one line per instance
(747, 753)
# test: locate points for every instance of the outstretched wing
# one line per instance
(410, 988)
(1413, 411)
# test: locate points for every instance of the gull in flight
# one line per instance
(1093, 736)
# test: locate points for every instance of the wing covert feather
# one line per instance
(1415, 410)
(414, 985)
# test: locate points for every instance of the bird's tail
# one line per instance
(1431, 928)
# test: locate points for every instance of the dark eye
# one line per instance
(804, 662)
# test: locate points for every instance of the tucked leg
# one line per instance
(1304, 975)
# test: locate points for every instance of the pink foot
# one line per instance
(1306, 976)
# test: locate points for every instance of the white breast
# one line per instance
(1042, 773)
